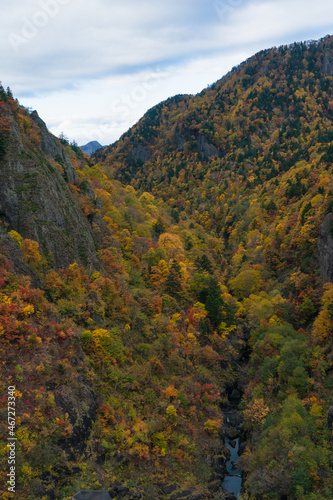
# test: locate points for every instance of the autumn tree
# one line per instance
(173, 284)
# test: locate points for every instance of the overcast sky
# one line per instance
(92, 68)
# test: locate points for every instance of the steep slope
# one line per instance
(35, 198)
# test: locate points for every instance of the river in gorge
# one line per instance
(234, 437)
(233, 481)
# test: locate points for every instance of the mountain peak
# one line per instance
(91, 147)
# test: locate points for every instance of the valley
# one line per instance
(166, 301)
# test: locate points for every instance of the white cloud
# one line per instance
(88, 66)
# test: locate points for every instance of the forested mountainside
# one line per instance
(188, 264)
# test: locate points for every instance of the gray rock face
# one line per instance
(206, 149)
(81, 404)
(328, 62)
(36, 202)
(328, 57)
(180, 141)
(52, 148)
(325, 249)
(99, 204)
(141, 153)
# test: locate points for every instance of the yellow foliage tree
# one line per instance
(172, 245)
(16, 236)
(171, 413)
(255, 413)
(30, 250)
(247, 282)
(323, 325)
(163, 267)
(212, 426)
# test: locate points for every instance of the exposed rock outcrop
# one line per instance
(81, 405)
(141, 153)
(328, 56)
(180, 141)
(206, 149)
(325, 248)
(52, 148)
(36, 201)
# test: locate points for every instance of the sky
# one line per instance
(92, 68)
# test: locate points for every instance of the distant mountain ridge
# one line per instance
(91, 147)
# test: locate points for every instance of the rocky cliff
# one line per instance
(325, 248)
(35, 199)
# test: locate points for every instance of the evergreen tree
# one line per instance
(3, 95)
(173, 284)
(159, 226)
(203, 264)
(210, 295)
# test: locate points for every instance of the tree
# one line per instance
(173, 284)
(247, 282)
(159, 226)
(255, 413)
(323, 325)
(30, 250)
(171, 244)
(63, 139)
(209, 293)
(203, 264)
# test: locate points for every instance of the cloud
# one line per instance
(79, 62)
(86, 40)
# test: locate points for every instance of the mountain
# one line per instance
(250, 160)
(91, 147)
(255, 136)
(188, 306)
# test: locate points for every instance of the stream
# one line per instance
(233, 481)
(234, 435)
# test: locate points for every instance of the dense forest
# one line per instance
(142, 286)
